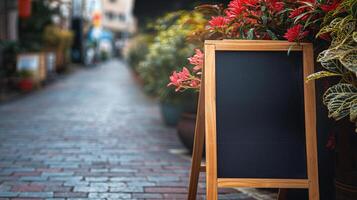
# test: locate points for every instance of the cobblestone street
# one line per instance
(91, 135)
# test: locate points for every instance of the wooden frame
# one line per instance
(212, 182)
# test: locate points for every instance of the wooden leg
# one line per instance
(282, 194)
(314, 192)
(198, 146)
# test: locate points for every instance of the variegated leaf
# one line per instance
(321, 74)
(333, 66)
(353, 111)
(338, 99)
(349, 60)
(354, 35)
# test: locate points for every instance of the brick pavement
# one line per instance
(91, 135)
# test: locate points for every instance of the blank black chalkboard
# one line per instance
(260, 114)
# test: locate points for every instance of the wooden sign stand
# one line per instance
(206, 124)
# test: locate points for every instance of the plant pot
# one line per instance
(346, 161)
(170, 113)
(25, 85)
(186, 129)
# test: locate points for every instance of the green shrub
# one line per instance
(138, 49)
(168, 52)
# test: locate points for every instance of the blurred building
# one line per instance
(8, 26)
(118, 15)
(8, 20)
(146, 11)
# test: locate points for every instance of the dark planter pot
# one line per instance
(25, 85)
(346, 161)
(170, 113)
(186, 129)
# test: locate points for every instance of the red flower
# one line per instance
(197, 60)
(329, 6)
(219, 22)
(295, 33)
(277, 6)
(237, 7)
(296, 12)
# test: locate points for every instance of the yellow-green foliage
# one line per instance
(58, 38)
(137, 49)
(169, 51)
(340, 59)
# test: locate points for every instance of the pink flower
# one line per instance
(184, 80)
(197, 60)
(219, 22)
(177, 78)
(295, 33)
(195, 83)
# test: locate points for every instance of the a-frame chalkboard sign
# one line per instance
(257, 117)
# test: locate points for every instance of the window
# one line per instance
(121, 17)
(109, 15)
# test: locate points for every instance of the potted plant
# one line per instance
(339, 61)
(25, 83)
(169, 50)
(60, 41)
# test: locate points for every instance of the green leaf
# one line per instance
(338, 100)
(250, 34)
(265, 19)
(321, 74)
(272, 35)
(354, 35)
(333, 66)
(308, 4)
(301, 16)
(353, 111)
(290, 48)
(263, 8)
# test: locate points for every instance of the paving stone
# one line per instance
(28, 188)
(33, 178)
(90, 189)
(70, 194)
(111, 195)
(56, 174)
(169, 190)
(5, 188)
(96, 179)
(148, 195)
(36, 194)
(127, 189)
(9, 194)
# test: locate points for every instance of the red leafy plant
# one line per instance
(295, 21)
(184, 79)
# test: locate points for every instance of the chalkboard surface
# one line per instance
(260, 115)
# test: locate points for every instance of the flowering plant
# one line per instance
(167, 51)
(306, 20)
(290, 20)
